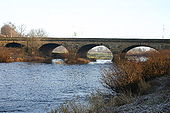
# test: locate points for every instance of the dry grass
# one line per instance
(11, 54)
(98, 103)
(19, 55)
(70, 107)
(5, 55)
(132, 75)
(77, 61)
(158, 64)
(73, 59)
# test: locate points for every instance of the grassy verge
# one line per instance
(103, 56)
(132, 87)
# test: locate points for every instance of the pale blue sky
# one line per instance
(91, 18)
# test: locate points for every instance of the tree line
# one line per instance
(11, 30)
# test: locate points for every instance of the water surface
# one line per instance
(39, 87)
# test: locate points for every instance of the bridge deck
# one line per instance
(88, 39)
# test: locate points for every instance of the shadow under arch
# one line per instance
(14, 45)
(83, 51)
(47, 49)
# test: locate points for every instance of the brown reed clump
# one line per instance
(158, 64)
(5, 55)
(97, 103)
(19, 55)
(128, 75)
(73, 59)
(11, 54)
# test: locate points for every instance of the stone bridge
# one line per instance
(81, 46)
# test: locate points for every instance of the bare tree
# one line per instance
(21, 29)
(37, 33)
(34, 37)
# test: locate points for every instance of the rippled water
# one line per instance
(38, 87)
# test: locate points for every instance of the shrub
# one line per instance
(128, 75)
(5, 55)
(73, 59)
(19, 55)
(158, 64)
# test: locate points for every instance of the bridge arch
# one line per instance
(14, 45)
(137, 52)
(83, 51)
(47, 49)
(135, 46)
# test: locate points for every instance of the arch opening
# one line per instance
(60, 52)
(95, 52)
(56, 51)
(14, 45)
(138, 52)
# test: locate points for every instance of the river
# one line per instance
(40, 87)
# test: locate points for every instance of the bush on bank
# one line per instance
(11, 54)
(129, 75)
(19, 55)
(73, 59)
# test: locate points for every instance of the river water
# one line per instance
(39, 87)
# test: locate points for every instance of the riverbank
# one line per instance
(8, 55)
(131, 87)
(155, 100)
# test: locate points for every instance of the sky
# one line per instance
(90, 18)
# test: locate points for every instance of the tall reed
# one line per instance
(127, 74)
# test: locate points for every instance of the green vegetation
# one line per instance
(132, 87)
(96, 55)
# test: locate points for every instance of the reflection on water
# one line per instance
(38, 87)
(101, 62)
